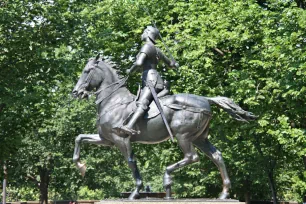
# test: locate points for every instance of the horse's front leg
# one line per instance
(92, 139)
(125, 147)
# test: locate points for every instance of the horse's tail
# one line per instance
(233, 109)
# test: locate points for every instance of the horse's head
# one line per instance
(90, 78)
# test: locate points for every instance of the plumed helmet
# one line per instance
(152, 32)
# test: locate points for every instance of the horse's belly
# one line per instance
(153, 130)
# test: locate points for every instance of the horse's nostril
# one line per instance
(75, 93)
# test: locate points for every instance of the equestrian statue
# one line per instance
(151, 117)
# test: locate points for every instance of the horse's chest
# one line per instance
(113, 118)
(115, 112)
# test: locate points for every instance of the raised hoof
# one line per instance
(82, 168)
(134, 195)
(224, 196)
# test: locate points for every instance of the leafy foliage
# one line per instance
(251, 51)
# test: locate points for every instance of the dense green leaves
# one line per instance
(251, 51)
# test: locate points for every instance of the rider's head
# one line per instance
(150, 33)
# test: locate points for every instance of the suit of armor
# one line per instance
(148, 58)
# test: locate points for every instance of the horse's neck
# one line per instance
(112, 91)
(112, 97)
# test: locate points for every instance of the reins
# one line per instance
(120, 84)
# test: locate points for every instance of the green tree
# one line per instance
(251, 51)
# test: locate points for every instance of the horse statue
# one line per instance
(188, 116)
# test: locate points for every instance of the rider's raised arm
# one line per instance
(140, 59)
(147, 51)
(165, 59)
(139, 62)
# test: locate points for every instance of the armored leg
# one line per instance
(142, 106)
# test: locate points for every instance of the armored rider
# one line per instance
(147, 58)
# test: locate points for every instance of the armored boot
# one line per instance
(140, 111)
(142, 106)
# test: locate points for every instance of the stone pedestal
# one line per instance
(173, 201)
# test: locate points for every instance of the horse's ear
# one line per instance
(97, 57)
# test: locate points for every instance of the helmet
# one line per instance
(152, 32)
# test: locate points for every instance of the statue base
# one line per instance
(146, 195)
(170, 201)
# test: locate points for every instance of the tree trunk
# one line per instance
(4, 184)
(301, 3)
(272, 186)
(2, 106)
(247, 194)
(43, 187)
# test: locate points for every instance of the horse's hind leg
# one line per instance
(125, 147)
(92, 139)
(215, 155)
(190, 156)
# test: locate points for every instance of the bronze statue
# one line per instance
(152, 83)
(188, 116)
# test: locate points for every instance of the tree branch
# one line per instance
(219, 51)
(34, 180)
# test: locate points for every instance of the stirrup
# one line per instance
(128, 130)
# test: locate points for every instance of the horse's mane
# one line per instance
(113, 65)
(109, 62)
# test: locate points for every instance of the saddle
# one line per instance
(153, 110)
(151, 113)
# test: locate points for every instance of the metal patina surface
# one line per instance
(121, 118)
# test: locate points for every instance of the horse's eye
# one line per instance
(87, 70)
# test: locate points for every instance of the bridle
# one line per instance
(89, 77)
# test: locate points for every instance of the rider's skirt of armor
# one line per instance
(153, 76)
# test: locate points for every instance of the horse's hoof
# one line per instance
(134, 195)
(82, 168)
(224, 195)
